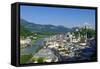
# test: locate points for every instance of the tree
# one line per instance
(40, 60)
(24, 31)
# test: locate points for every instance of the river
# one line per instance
(33, 48)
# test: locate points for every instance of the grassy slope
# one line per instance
(25, 58)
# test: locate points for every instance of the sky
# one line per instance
(67, 17)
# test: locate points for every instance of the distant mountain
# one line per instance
(33, 27)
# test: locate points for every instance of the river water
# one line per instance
(33, 48)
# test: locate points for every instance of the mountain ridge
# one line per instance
(33, 27)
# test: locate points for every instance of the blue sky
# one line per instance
(67, 17)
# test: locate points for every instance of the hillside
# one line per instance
(33, 27)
